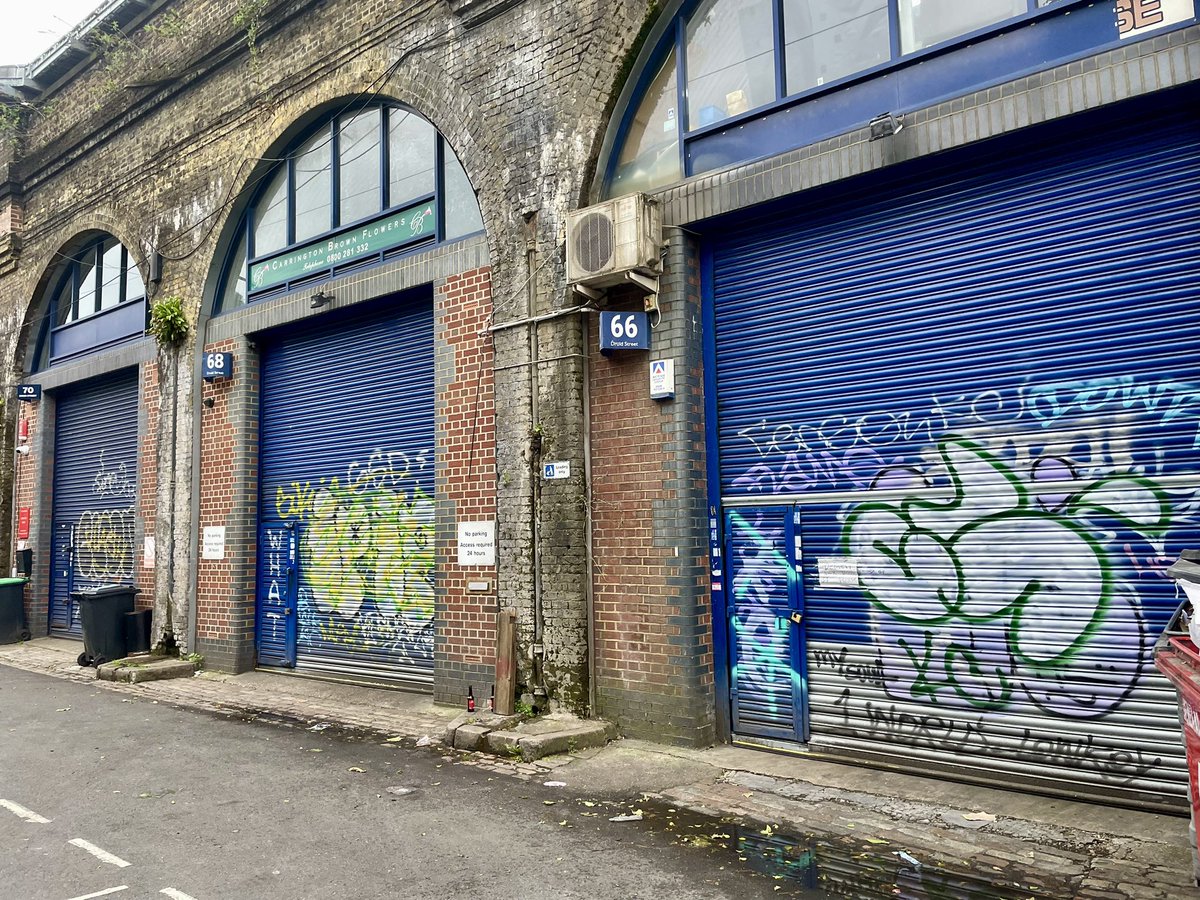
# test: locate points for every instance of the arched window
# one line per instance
(718, 64)
(363, 185)
(96, 298)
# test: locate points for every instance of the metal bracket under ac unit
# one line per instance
(648, 283)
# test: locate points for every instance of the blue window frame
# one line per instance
(96, 298)
(358, 187)
(727, 81)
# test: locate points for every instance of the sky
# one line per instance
(33, 27)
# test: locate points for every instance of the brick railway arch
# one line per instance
(96, 224)
(303, 130)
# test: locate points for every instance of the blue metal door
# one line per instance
(977, 378)
(768, 690)
(278, 584)
(347, 460)
(93, 518)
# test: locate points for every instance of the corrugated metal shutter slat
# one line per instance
(95, 489)
(347, 456)
(1006, 344)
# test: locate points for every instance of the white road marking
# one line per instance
(102, 893)
(102, 855)
(176, 895)
(27, 814)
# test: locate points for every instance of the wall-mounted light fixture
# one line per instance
(23, 450)
(319, 299)
(885, 125)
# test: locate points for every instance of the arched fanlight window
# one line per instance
(717, 63)
(95, 298)
(363, 185)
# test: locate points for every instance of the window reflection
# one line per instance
(730, 59)
(458, 198)
(112, 267)
(359, 163)
(825, 40)
(924, 23)
(731, 51)
(86, 304)
(64, 309)
(410, 157)
(235, 282)
(270, 215)
(313, 186)
(650, 155)
(135, 287)
(101, 276)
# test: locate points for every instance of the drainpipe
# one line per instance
(197, 431)
(589, 556)
(539, 688)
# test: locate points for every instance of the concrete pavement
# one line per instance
(1027, 845)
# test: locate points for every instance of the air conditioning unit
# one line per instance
(614, 242)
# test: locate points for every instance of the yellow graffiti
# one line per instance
(364, 540)
(104, 545)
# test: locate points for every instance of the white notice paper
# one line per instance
(214, 542)
(148, 552)
(476, 543)
(837, 571)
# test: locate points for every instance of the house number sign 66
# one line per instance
(624, 331)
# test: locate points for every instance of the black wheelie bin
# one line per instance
(102, 612)
(12, 611)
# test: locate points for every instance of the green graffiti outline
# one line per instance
(910, 509)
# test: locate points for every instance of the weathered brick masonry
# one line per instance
(161, 145)
(466, 492)
(653, 626)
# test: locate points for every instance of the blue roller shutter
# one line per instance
(93, 521)
(977, 378)
(347, 459)
(767, 688)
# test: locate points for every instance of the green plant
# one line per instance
(11, 122)
(168, 323)
(521, 708)
(170, 25)
(195, 659)
(248, 18)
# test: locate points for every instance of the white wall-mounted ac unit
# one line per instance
(608, 241)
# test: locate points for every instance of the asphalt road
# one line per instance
(146, 801)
